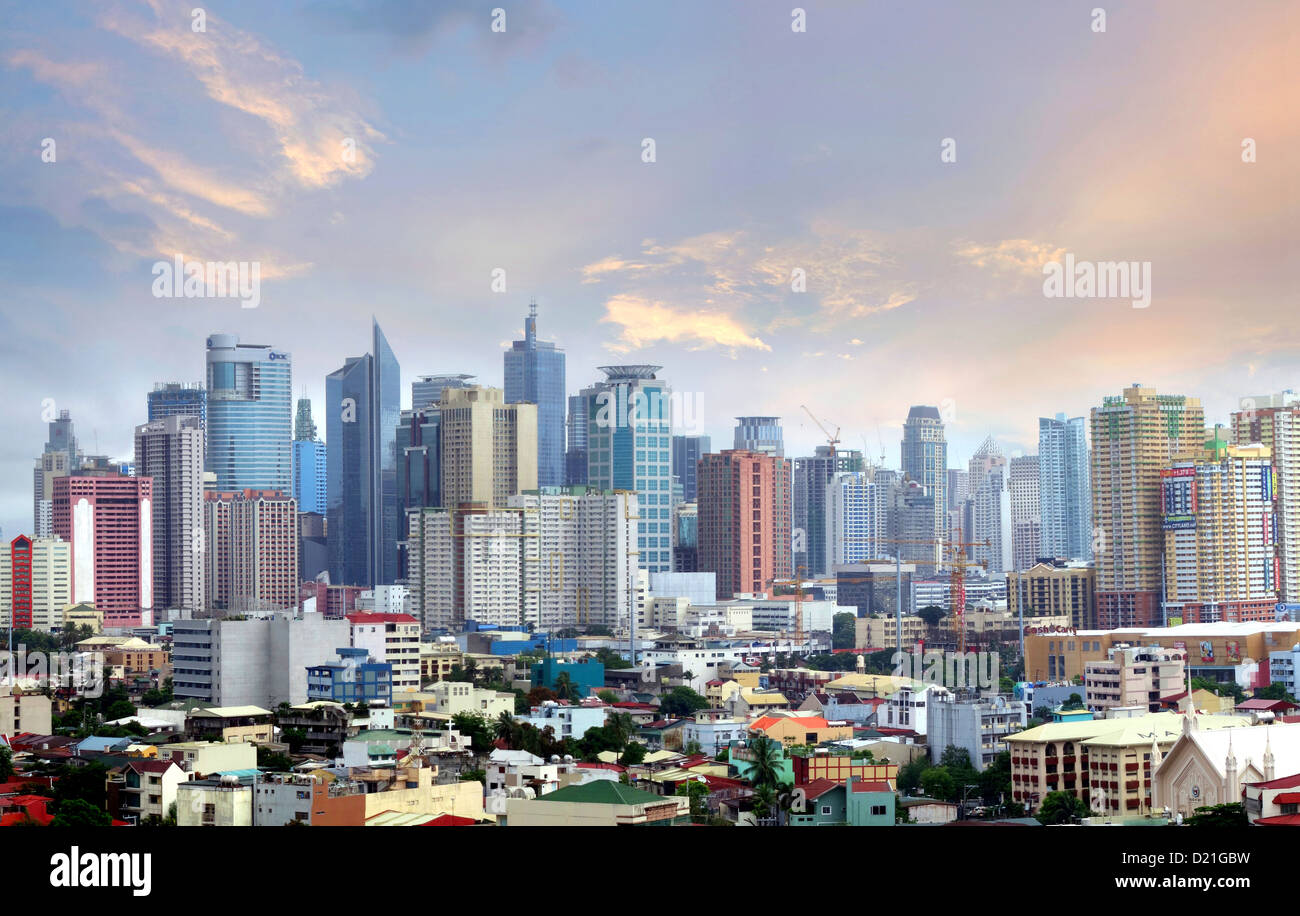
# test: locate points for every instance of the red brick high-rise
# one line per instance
(744, 520)
(108, 520)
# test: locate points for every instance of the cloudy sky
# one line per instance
(384, 158)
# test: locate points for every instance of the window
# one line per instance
(826, 809)
(877, 810)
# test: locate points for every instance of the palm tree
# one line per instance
(764, 800)
(566, 689)
(765, 763)
(785, 801)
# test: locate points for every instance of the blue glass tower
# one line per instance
(629, 447)
(1064, 488)
(535, 375)
(686, 460)
(250, 415)
(362, 409)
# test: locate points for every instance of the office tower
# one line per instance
(534, 372)
(1064, 488)
(170, 450)
(313, 546)
(911, 518)
(857, 518)
(50, 466)
(252, 662)
(575, 453)
(428, 389)
(687, 452)
(310, 482)
(1026, 528)
(759, 434)
(419, 475)
(993, 525)
(304, 427)
(744, 520)
(251, 556)
(178, 399)
(364, 519)
(64, 439)
(1274, 421)
(1134, 436)
(1220, 553)
(250, 415)
(1055, 588)
(925, 460)
(107, 519)
(35, 583)
(550, 558)
(809, 478)
(487, 447)
(686, 538)
(629, 447)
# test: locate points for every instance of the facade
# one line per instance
(857, 519)
(107, 519)
(363, 404)
(992, 519)
(170, 450)
(251, 551)
(744, 512)
(759, 434)
(1218, 513)
(566, 721)
(687, 452)
(873, 588)
(1211, 766)
(419, 469)
(809, 479)
(1022, 482)
(252, 661)
(355, 678)
(310, 483)
(925, 460)
(488, 447)
(1134, 437)
(1055, 588)
(1134, 676)
(1274, 422)
(575, 452)
(60, 457)
(24, 712)
(427, 389)
(911, 520)
(35, 582)
(980, 725)
(250, 415)
(1064, 488)
(534, 374)
(178, 399)
(392, 638)
(629, 447)
(686, 538)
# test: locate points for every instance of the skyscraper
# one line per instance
(1025, 524)
(35, 582)
(1134, 437)
(687, 452)
(629, 447)
(809, 478)
(744, 520)
(1274, 421)
(759, 434)
(170, 450)
(857, 519)
(107, 518)
(419, 470)
(575, 452)
(250, 415)
(428, 389)
(310, 484)
(59, 458)
(1064, 488)
(362, 409)
(251, 557)
(487, 448)
(925, 460)
(535, 375)
(177, 399)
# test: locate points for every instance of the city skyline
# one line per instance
(672, 262)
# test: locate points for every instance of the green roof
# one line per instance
(603, 792)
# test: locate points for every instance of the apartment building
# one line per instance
(1055, 588)
(393, 639)
(1140, 676)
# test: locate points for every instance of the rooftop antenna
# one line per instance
(532, 306)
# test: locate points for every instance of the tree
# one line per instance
(697, 791)
(1061, 808)
(120, 709)
(765, 763)
(1274, 691)
(275, 761)
(1230, 815)
(681, 702)
(76, 812)
(910, 773)
(937, 782)
(632, 755)
(611, 659)
(85, 783)
(6, 763)
(1074, 702)
(474, 776)
(844, 631)
(995, 781)
(608, 696)
(565, 689)
(692, 747)
(539, 695)
(475, 727)
(931, 614)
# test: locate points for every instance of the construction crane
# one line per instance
(798, 600)
(831, 440)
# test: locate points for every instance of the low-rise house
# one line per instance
(203, 758)
(842, 706)
(1207, 767)
(143, 788)
(663, 734)
(219, 801)
(450, 698)
(24, 711)
(749, 702)
(713, 730)
(1274, 802)
(808, 766)
(96, 746)
(314, 800)
(324, 726)
(598, 804)
(566, 721)
(921, 810)
(355, 678)
(801, 730)
(231, 724)
(508, 770)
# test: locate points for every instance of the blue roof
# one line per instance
(96, 743)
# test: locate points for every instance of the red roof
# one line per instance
(450, 820)
(32, 806)
(1266, 705)
(373, 617)
(1283, 782)
(1287, 798)
(819, 787)
(601, 766)
(875, 785)
(766, 722)
(648, 706)
(1281, 820)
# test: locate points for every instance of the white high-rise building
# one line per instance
(393, 638)
(1274, 421)
(552, 558)
(1064, 488)
(170, 450)
(1025, 524)
(992, 522)
(51, 582)
(857, 519)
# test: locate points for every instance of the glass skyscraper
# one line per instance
(535, 375)
(250, 415)
(173, 399)
(759, 434)
(575, 452)
(1064, 488)
(629, 447)
(925, 460)
(686, 459)
(428, 389)
(308, 462)
(363, 406)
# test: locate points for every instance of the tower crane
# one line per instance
(831, 440)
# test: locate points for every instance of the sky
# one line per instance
(916, 162)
